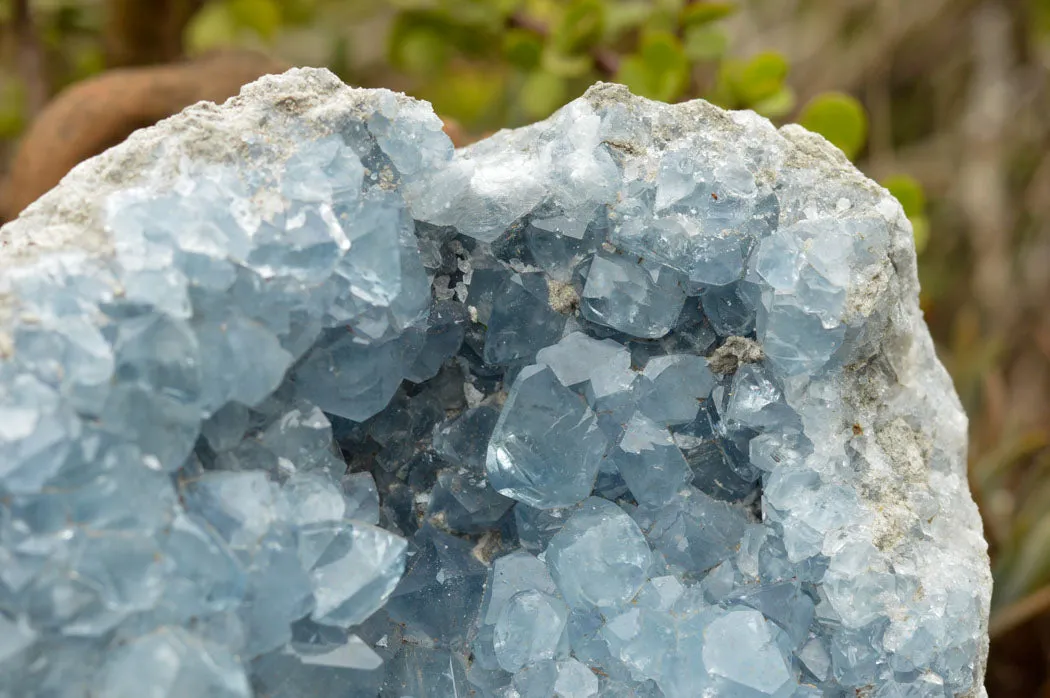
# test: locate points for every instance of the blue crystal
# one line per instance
(680, 384)
(546, 447)
(171, 662)
(519, 571)
(424, 673)
(630, 295)
(355, 572)
(649, 461)
(740, 648)
(731, 309)
(522, 320)
(303, 402)
(599, 557)
(696, 532)
(528, 629)
(537, 526)
(441, 591)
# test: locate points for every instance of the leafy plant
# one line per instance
(840, 118)
(907, 190)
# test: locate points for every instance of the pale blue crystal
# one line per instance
(577, 358)
(575, 680)
(352, 379)
(15, 636)
(680, 383)
(440, 594)
(630, 295)
(529, 629)
(513, 573)
(696, 532)
(537, 526)
(740, 648)
(784, 603)
(546, 447)
(171, 662)
(731, 309)
(421, 672)
(522, 320)
(649, 461)
(599, 557)
(355, 573)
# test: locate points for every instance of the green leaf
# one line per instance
(522, 48)
(565, 65)
(761, 77)
(920, 226)
(907, 190)
(580, 27)
(542, 93)
(419, 44)
(261, 16)
(88, 61)
(298, 12)
(705, 43)
(12, 109)
(700, 13)
(659, 70)
(489, 15)
(776, 105)
(213, 26)
(470, 95)
(422, 42)
(622, 17)
(838, 117)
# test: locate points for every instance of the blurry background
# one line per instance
(946, 102)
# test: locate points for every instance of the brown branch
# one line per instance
(30, 58)
(1020, 612)
(143, 33)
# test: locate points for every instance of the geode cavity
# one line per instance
(636, 401)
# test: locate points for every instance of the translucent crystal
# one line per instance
(546, 447)
(632, 296)
(522, 320)
(741, 648)
(171, 662)
(355, 572)
(695, 531)
(296, 400)
(528, 629)
(680, 383)
(599, 557)
(650, 462)
(513, 573)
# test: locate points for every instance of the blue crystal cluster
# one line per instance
(562, 414)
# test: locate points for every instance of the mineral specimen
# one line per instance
(637, 401)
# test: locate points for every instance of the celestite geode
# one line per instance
(296, 401)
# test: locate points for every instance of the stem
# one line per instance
(1020, 612)
(30, 58)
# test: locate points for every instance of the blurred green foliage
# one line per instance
(908, 191)
(494, 63)
(840, 118)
